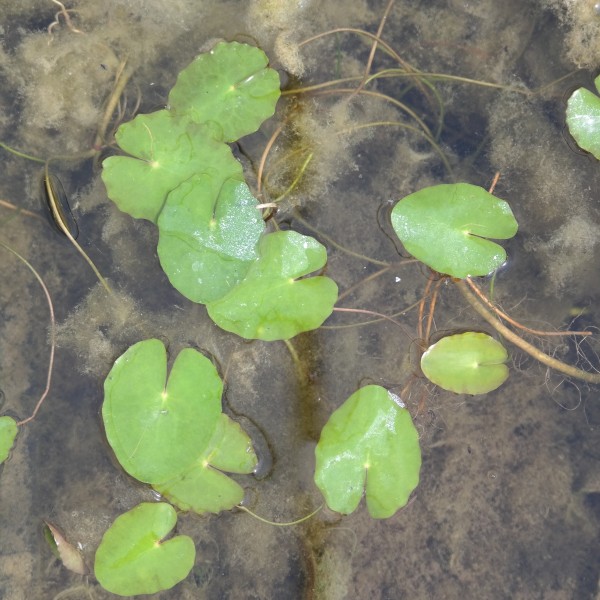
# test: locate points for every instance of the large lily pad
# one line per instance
(583, 118)
(445, 227)
(466, 363)
(158, 428)
(132, 557)
(208, 235)
(368, 445)
(203, 487)
(230, 85)
(8, 433)
(271, 302)
(167, 150)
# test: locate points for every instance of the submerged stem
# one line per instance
(518, 341)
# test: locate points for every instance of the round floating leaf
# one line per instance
(371, 438)
(169, 150)
(230, 85)
(158, 428)
(202, 488)
(466, 363)
(270, 303)
(208, 235)
(8, 433)
(132, 559)
(583, 118)
(444, 226)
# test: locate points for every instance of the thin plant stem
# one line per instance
(52, 333)
(288, 524)
(369, 64)
(481, 295)
(363, 311)
(518, 341)
(333, 243)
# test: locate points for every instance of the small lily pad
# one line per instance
(158, 428)
(583, 118)
(203, 487)
(230, 85)
(368, 445)
(271, 302)
(132, 557)
(165, 151)
(445, 227)
(8, 433)
(209, 230)
(466, 363)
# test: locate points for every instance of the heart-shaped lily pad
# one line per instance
(158, 428)
(466, 363)
(230, 85)
(583, 118)
(370, 441)
(8, 433)
(445, 227)
(132, 559)
(203, 487)
(208, 235)
(167, 150)
(271, 303)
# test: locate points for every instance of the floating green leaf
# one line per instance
(583, 118)
(230, 85)
(158, 428)
(466, 363)
(8, 433)
(444, 226)
(208, 235)
(168, 151)
(271, 303)
(371, 438)
(132, 559)
(203, 488)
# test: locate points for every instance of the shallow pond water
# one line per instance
(508, 503)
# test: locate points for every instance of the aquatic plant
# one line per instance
(583, 118)
(133, 558)
(182, 175)
(170, 432)
(368, 446)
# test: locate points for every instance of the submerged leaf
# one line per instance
(230, 85)
(158, 428)
(8, 433)
(165, 151)
(208, 235)
(466, 363)
(132, 557)
(271, 302)
(370, 441)
(583, 118)
(67, 553)
(445, 227)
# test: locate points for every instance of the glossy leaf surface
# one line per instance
(8, 433)
(583, 118)
(446, 226)
(157, 428)
(230, 85)
(466, 363)
(369, 445)
(165, 151)
(134, 559)
(271, 302)
(208, 230)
